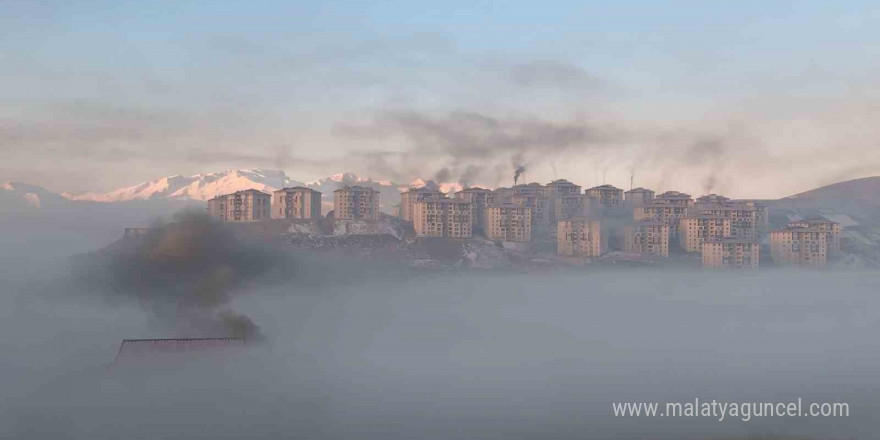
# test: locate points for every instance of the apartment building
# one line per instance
(508, 222)
(573, 206)
(241, 206)
(663, 212)
(674, 198)
(799, 246)
(831, 229)
(538, 204)
(608, 196)
(530, 189)
(711, 199)
(749, 218)
(450, 218)
(499, 196)
(296, 203)
(410, 197)
(581, 237)
(648, 238)
(694, 231)
(730, 253)
(669, 208)
(638, 197)
(562, 188)
(355, 203)
(479, 198)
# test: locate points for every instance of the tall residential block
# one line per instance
(669, 208)
(241, 206)
(799, 246)
(581, 237)
(693, 231)
(748, 218)
(728, 253)
(637, 197)
(831, 229)
(296, 203)
(508, 222)
(410, 197)
(666, 213)
(558, 190)
(355, 203)
(479, 197)
(573, 206)
(674, 198)
(562, 188)
(648, 238)
(538, 204)
(609, 196)
(448, 218)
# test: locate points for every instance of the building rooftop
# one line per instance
(606, 187)
(639, 189)
(355, 188)
(244, 191)
(713, 198)
(475, 189)
(673, 195)
(296, 188)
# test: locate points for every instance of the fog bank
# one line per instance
(460, 356)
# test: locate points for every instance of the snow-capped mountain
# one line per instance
(197, 187)
(202, 187)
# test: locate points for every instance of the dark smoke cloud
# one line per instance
(443, 175)
(469, 175)
(518, 170)
(186, 272)
(471, 142)
(711, 153)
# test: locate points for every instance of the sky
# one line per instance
(752, 99)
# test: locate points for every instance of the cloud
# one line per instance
(554, 74)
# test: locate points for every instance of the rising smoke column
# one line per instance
(186, 273)
(517, 172)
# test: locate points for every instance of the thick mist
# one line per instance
(384, 353)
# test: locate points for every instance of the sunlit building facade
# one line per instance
(241, 206)
(356, 203)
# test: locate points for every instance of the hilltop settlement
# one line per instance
(556, 222)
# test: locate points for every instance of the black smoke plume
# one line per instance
(517, 172)
(186, 273)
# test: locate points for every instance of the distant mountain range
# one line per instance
(201, 187)
(197, 187)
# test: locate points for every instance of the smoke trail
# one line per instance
(186, 273)
(517, 172)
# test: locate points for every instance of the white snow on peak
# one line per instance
(209, 185)
(196, 187)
